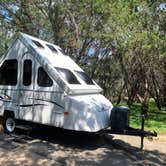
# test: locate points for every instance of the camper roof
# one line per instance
(68, 75)
(50, 52)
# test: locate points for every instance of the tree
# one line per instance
(121, 44)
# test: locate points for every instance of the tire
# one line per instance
(9, 124)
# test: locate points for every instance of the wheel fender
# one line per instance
(9, 112)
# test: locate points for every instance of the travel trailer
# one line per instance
(39, 84)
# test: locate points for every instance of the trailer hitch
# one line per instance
(134, 132)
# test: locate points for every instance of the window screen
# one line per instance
(85, 77)
(67, 75)
(43, 79)
(8, 72)
(27, 72)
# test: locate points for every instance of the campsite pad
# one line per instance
(58, 147)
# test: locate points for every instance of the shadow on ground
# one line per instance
(80, 140)
(52, 146)
(146, 157)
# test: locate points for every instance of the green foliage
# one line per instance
(154, 120)
(128, 39)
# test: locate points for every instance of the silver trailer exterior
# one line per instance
(38, 83)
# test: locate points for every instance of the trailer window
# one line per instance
(67, 75)
(85, 77)
(38, 44)
(52, 48)
(43, 78)
(27, 72)
(8, 72)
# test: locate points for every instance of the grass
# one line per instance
(155, 119)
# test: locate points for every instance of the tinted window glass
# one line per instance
(8, 72)
(85, 77)
(27, 72)
(43, 79)
(68, 76)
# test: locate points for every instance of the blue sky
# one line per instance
(6, 14)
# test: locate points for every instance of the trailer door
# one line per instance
(26, 104)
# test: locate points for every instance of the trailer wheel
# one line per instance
(9, 123)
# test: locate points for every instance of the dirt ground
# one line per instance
(47, 146)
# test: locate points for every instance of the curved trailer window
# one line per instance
(85, 77)
(8, 72)
(43, 78)
(67, 75)
(27, 72)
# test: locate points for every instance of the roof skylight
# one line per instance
(52, 48)
(38, 44)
